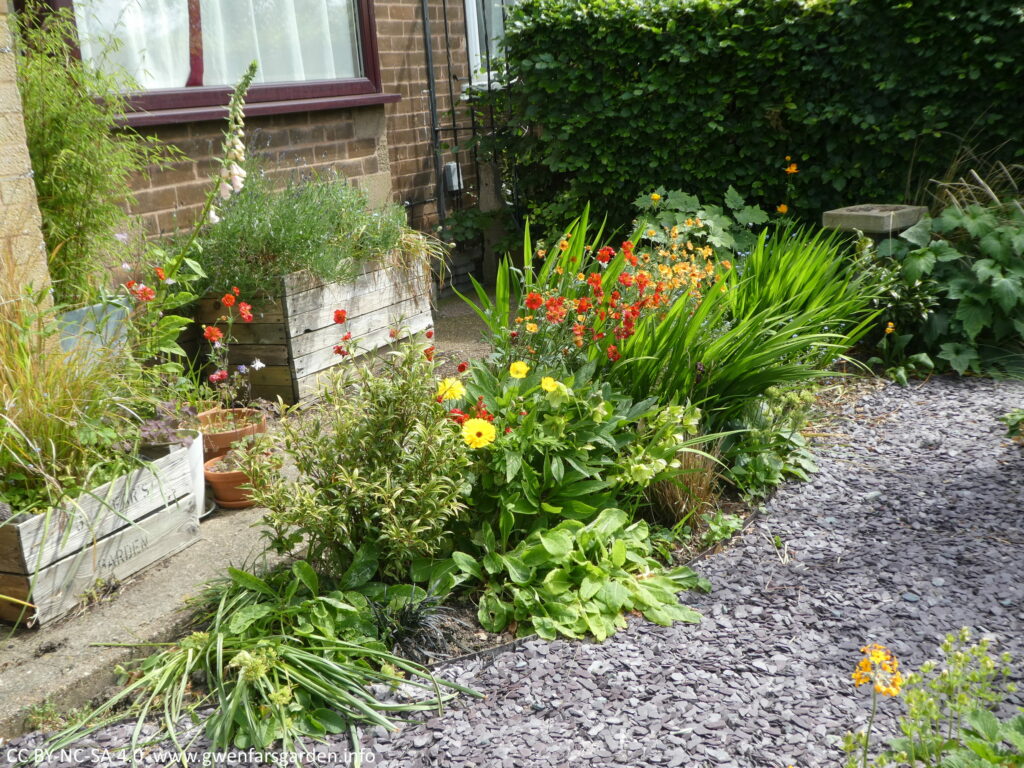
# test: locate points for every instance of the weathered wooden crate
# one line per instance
(52, 561)
(294, 334)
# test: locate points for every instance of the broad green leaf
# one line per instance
(618, 553)
(917, 264)
(513, 463)
(304, 572)
(734, 199)
(331, 721)
(468, 564)
(556, 542)
(590, 586)
(245, 616)
(960, 356)
(986, 270)
(250, 582)
(1007, 292)
(919, 234)
(557, 581)
(492, 562)
(492, 613)
(975, 317)
(362, 569)
(517, 570)
(608, 522)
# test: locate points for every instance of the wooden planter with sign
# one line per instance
(294, 334)
(54, 561)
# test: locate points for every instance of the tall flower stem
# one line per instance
(867, 731)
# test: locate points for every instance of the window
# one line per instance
(485, 26)
(187, 54)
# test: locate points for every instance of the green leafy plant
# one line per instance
(729, 228)
(1014, 422)
(566, 449)
(320, 223)
(719, 526)
(949, 719)
(574, 579)
(281, 658)
(83, 157)
(380, 469)
(771, 448)
(973, 260)
(707, 94)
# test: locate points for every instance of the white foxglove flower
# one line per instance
(225, 190)
(214, 218)
(257, 364)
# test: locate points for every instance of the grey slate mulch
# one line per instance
(913, 528)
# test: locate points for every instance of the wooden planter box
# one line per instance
(294, 334)
(108, 534)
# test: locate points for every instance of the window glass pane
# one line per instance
(293, 40)
(152, 35)
(491, 28)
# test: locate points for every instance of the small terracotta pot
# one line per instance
(226, 485)
(218, 433)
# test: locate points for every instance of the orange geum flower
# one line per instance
(791, 169)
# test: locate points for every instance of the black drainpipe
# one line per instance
(434, 133)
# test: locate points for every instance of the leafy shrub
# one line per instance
(575, 579)
(380, 469)
(970, 263)
(567, 449)
(82, 157)
(863, 94)
(319, 223)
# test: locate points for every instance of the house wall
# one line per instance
(385, 149)
(21, 241)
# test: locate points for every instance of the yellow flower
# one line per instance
(782, 208)
(450, 389)
(563, 245)
(518, 370)
(531, 328)
(655, 197)
(880, 668)
(889, 328)
(791, 168)
(478, 432)
(548, 384)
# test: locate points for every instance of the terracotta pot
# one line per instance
(219, 434)
(225, 485)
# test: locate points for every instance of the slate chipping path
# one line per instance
(913, 527)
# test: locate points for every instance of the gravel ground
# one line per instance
(913, 527)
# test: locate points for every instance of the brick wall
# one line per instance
(352, 142)
(21, 241)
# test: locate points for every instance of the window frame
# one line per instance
(194, 103)
(481, 70)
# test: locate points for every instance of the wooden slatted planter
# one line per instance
(294, 334)
(108, 534)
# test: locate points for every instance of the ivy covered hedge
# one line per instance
(870, 98)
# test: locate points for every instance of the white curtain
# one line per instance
(293, 40)
(152, 39)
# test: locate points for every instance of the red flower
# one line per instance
(507, 430)
(514, 334)
(145, 293)
(160, 274)
(463, 367)
(556, 309)
(429, 353)
(429, 334)
(625, 279)
(534, 300)
(340, 350)
(631, 258)
(218, 377)
(393, 333)
(458, 416)
(228, 299)
(627, 246)
(245, 312)
(613, 353)
(578, 329)
(212, 333)
(605, 254)
(584, 305)
(130, 284)
(234, 289)
(347, 337)
(340, 316)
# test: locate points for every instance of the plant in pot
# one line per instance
(228, 479)
(232, 419)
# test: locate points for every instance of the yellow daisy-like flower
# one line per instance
(880, 668)
(518, 370)
(530, 328)
(450, 389)
(890, 328)
(548, 384)
(478, 432)
(655, 197)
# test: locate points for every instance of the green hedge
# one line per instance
(871, 98)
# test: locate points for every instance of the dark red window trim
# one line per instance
(195, 103)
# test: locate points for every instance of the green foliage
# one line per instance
(970, 262)
(1014, 422)
(720, 526)
(771, 448)
(380, 470)
(319, 223)
(724, 228)
(83, 159)
(574, 579)
(608, 98)
(283, 659)
(571, 449)
(949, 718)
